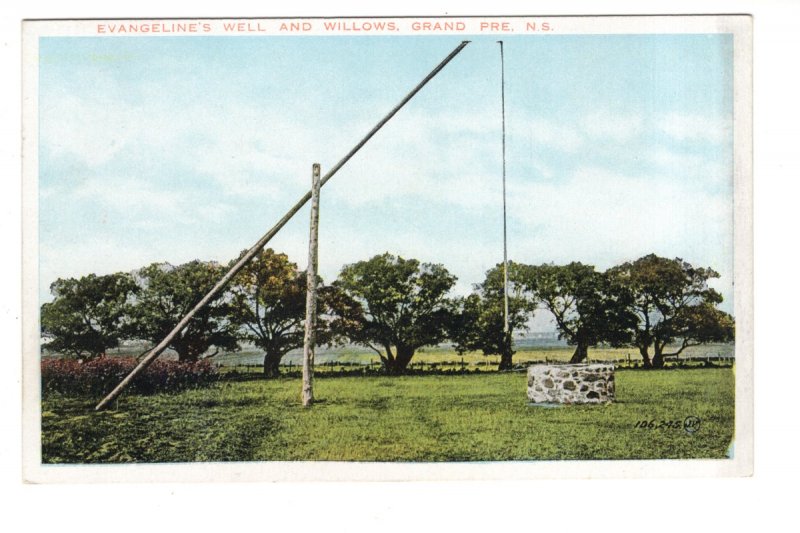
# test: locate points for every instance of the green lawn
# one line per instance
(471, 417)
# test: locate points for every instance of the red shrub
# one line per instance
(99, 376)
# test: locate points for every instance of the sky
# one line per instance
(180, 148)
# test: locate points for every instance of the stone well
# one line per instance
(583, 383)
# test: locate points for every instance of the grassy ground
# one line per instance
(471, 417)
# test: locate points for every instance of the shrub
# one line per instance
(99, 376)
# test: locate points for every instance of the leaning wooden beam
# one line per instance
(161, 346)
(310, 339)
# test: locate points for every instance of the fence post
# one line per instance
(311, 293)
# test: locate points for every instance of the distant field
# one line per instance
(447, 358)
(526, 350)
(444, 358)
(469, 417)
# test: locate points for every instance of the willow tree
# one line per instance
(587, 306)
(88, 315)
(674, 306)
(397, 306)
(166, 293)
(268, 303)
(479, 325)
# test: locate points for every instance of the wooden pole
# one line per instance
(161, 346)
(309, 339)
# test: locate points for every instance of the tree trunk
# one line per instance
(658, 358)
(393, 368)
(272, 365)
(188, 352)
(581, 353)
(506, 362)
(399, 364)
(645, 357)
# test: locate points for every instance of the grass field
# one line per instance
(470, 417)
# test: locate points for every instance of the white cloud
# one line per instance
(94, 132)
(604, 218)
(699, 167)
(429, 157)
(448, 160)
(141, 202)
(616, 127)
(686, 127)
(244, 149)
(549, 134)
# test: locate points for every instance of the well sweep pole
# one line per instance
(506, 328)
(161, 346)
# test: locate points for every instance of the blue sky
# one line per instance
(181, 148)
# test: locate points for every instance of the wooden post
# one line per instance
(311, 293)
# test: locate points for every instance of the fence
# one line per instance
(333, 368)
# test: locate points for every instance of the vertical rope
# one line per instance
(505, 238)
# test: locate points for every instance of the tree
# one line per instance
(587, 307)
(268, 301)
(479, 323)
(397, 306)
(88, 315)
(167, 293)
(673, 304)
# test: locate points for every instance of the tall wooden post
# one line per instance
(311, 293)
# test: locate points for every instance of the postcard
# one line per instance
(389, 248)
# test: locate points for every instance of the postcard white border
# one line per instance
(740, 465)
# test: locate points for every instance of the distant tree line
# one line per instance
(391, 305)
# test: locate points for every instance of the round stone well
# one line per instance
(581, 383)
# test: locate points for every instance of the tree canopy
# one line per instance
(588, 308)
(400, 305)
(166, 293)
(268, 301)
(89, 315)
(479, 323)
(391, 305)
(673, 304)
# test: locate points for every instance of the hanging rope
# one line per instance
(506, 328)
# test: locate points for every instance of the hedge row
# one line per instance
(99, 376)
